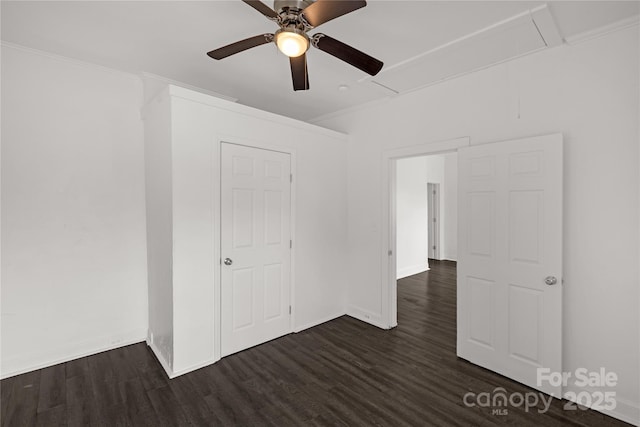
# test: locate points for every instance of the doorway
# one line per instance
(389, 312)
(509, 294)
(426, 203)
(424, 222)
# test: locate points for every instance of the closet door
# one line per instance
(256, 253)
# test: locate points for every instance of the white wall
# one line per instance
(435, 168)
(158, 199)
(198, 123)
(411, 217)
(73, 227)
(589, 92)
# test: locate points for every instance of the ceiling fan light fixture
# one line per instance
(294, 18)
(292, 42)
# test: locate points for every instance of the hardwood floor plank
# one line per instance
(134, 397)
(101, 368)
(147, 418)
(168, 411)
(154, 378)
(23, 403)
(115, 415)
(123, 369)
(6, 387)
(52, 391)
(147, 366)
(53, 417)
(106, 393)
(77, 367)
(228, 411)
(82, 407)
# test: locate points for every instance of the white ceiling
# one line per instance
(170, 39)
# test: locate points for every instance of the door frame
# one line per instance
(389, 288)
(433, 217)
(217, 225)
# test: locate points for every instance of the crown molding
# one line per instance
(352, 109)
(168, 81)
(132, 75)
(620, 25)
(73, 61)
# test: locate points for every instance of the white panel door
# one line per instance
(510, 252)
(255, 246)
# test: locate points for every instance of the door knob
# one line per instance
(228, 261)
(550, 280)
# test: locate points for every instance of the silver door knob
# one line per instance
(228, 261)
(550, 280)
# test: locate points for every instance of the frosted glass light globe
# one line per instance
(291, 43)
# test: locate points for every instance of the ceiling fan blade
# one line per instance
(299, 72)
(325, 10)
(348, 54)
(262, 8)
(240, 46)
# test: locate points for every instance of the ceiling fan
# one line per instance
(296, 18)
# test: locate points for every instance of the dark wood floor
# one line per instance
(343, 372)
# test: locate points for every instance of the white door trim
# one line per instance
(389, 296)
(217, 214)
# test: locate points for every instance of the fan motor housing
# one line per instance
(279, 5)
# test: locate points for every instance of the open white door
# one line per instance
(255, 246)
(510, 257)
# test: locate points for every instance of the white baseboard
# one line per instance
(411, 270)
(366, 316)
(318, 322)
(70, 351)
(176, 373)
(625, 410)
(165, 364)
(192, 368)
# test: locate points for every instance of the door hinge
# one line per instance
(289, 309)
(434, 248)
(434, 220)
(290, 177)
(390, 252)
(290, 244)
